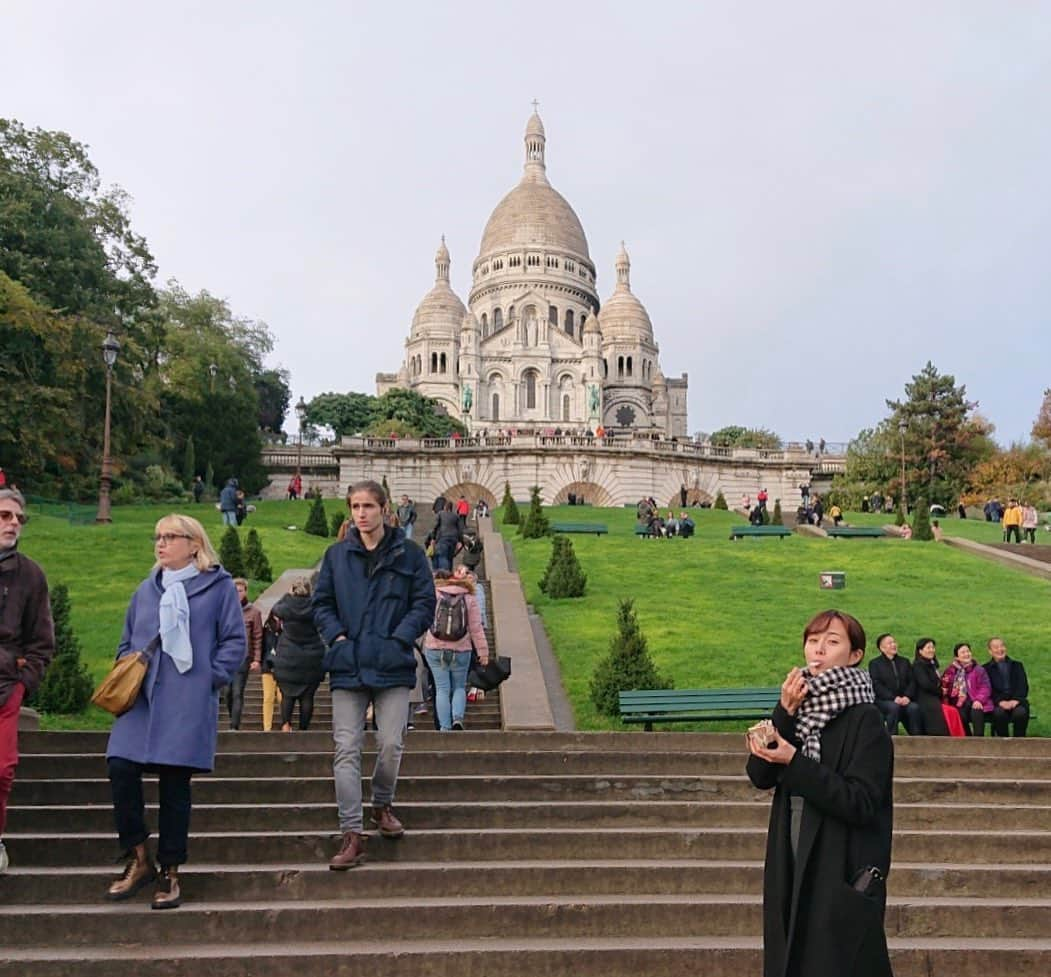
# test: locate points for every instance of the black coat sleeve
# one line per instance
(878, 673)
(765, 775)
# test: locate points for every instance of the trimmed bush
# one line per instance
(778, 518)
(899, 515)
(512, 517)
(563, 577)
(231, 556)
(189, 461)
(337, 523)
(921, 521)
(765, 513)
(627, 666)
(386, 488)
(67, 686)
(317, 522)
(536, 523)
(720, 501)
(257, 566)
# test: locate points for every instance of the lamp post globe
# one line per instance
(110, 349)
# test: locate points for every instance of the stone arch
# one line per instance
(694, 496)
(591, 492)
(472, 492)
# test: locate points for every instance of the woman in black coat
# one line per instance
(297, 666)
(929, 688)
(831, 761)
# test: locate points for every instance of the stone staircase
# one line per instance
(526, 854)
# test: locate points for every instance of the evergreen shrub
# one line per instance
(627, 666)
(921, 521)
(512, 517)
(317, 523)
(67, 686)
(257, 566)
(231, 556)
(536, 523)
(337, 523)
(563, 576)
(720, 501)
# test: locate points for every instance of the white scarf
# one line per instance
(175, 616)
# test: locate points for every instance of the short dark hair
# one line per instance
(960, 644)
(920, 642)
(879, 640)
(372, 487)
(820, 623)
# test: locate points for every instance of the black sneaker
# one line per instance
(458, 724)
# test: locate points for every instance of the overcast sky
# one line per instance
(816, 198)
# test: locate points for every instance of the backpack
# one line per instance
(450, 617)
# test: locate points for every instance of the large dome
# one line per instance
(534, 212)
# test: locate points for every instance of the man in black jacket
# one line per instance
(895, 687)
(1010, 690)
(27, 639)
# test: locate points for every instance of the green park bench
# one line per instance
(649, 706)
(598, 528)
(739, 532)
(855, 532)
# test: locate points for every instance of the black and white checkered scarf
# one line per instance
(829, 693)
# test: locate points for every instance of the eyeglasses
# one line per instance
(167, 538)
(6, 515)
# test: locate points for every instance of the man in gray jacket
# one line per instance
(406, 513)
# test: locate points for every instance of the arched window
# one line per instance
(569, 322)
(629, 366)
(620, 366)
(583, 319)
(496, 407)
(565, 407)
(530, 385)
(498, 320)
(510, 314)
(434, 362)
(605, 369)
(441, 362)
(485, 325)
(552, 315)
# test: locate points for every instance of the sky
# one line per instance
(817, 197)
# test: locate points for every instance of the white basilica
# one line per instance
(536, 346)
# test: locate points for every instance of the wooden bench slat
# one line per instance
(598, 528)
(649, 706)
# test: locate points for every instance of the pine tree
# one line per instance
(231, 556)
(512, 517)
(317, 523)
(386, 488)
(189, 461)
(921, 521)
(899, 515)
(338, 518)
(720, 501)
(66, 687)
(765, 513)
(536, 523)
(257, 566)
(558, 544)
(564, 577)
(627, 666)
(209, 478)
(779, 518)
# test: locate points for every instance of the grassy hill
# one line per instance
(720, 613)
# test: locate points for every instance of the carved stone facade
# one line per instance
(535, 347)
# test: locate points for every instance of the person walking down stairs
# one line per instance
(300, 652)
(374, 598)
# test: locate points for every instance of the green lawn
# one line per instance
(102, 565)
(718, 613)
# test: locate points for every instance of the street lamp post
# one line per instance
(301, 414)
(110, 348)
(213, 369)
(902, 426)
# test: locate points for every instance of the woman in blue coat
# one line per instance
(191, 604)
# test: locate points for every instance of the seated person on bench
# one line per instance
(686, 525)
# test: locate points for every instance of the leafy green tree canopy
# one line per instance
(735, 436)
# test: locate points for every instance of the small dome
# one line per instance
(535, 127)
(440, 312)
(622, 314)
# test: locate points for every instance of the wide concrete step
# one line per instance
(507, 956)
(483, 815)
(451, 760)
(284, 881)
(547, 788)
(241, 845)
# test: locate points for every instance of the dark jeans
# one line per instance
(1003, 718)
(129, 808)
(235, 696)
(973, 719)
(444, 551)
(1015, 531)
(306, 707)
(893, 714)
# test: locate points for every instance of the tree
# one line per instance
(1020, 471)
(627, 666)
(386, 488)
(346, 414)
(735, 436)
(512, 517)
(536, 523)
(338, 518)
(189, 461)
(778, 518)
(1042, 425)
(257, 566)
(66, 687)
(720, 501)
(272, 394)
(563, 576)
(415, 416)
(921, 520)
(231, 556)
(317, 523)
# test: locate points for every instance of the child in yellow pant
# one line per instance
(271, 694)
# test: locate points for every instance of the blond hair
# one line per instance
(204, 557)
(300, 587)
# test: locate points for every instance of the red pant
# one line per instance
(8, 748)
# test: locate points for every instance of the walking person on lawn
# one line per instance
(27, 639)
(188, 609)
(374, 597)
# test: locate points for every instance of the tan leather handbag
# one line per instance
(118, 691)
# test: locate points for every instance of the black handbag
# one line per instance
(488, 677)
